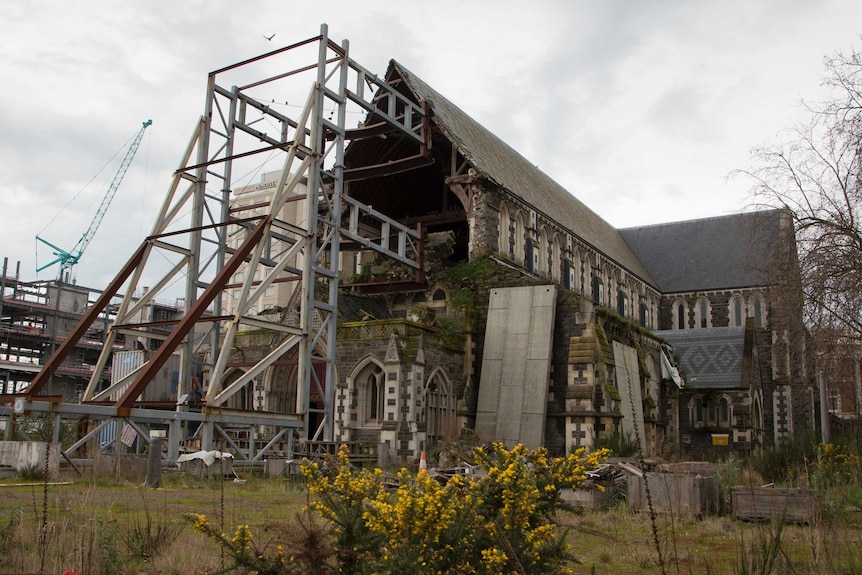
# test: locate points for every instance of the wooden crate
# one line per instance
(795, 505)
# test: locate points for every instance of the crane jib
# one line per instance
(68, 258)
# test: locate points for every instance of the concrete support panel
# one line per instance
(516, 365)
(629, 386)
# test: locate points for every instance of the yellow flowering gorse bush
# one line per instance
(501, 522)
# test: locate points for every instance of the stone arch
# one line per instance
(505, 231)
(702, 313)
(556, 259)
(439, 301)
(439, 403)
(578, 264)
(757, 413)
(680, 314)
(757, 309)
(543, 249)
(724, 411)
(520, 239)
(281, 385)
(365, 387)
(243, 398)
(736, 310)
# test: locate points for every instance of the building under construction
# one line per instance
(400, 280)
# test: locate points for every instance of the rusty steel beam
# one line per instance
(62, 352)
(124, 404)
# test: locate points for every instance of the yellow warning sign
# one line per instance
(720, 439)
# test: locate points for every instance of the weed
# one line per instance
(146, 538)
(7, 532)
(728, 475)
(108, 562)
(31, 472)
(765, 555)
(619, 444)
(784, 461)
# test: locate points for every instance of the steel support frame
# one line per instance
(195, 227)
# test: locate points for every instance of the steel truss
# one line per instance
(206, 245)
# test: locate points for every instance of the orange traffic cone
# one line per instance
(423, 465)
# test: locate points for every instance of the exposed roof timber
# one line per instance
(450, 217)
(388, 168)
(379, 130)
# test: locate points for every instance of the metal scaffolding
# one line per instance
(206, 245)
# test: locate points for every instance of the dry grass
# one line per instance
(615, 541)
(89, 522)
(97, 526)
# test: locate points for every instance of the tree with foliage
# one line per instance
(816, 178)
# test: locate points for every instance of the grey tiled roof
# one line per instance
(502, 165)
(709, 357)
(714, 253)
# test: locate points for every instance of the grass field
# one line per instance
(104, 527)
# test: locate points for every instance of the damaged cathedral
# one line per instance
(426, 282)
(533, 320)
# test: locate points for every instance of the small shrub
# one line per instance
(728, 475)
(784, 461)
(31, 472)
(243, 551)
(147, 539)
(619, 444)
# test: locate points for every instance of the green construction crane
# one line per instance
(68, 259)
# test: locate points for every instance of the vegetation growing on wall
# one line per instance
(462, 280)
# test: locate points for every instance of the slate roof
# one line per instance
(709, 357)
(722, 252)
(359, 307)
(502, 165)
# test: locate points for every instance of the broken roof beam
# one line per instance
(388, 168)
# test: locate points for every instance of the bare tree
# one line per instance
(816, 177)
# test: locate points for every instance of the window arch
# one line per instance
(369, 388)
(439, 301)
(697, 411)
(724, 412)
(556, 261)
(737, 311)
(757, 420)
(578, 264)
(439, 408)
(542, 256)
(756, 310)
(621, 302)
(702, 313)
(610, 296)
(597, 288)
(504, 235)
(680, 314)
(520, 239)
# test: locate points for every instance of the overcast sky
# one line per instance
(640, 109)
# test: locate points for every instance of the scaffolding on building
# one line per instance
(206, 244)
